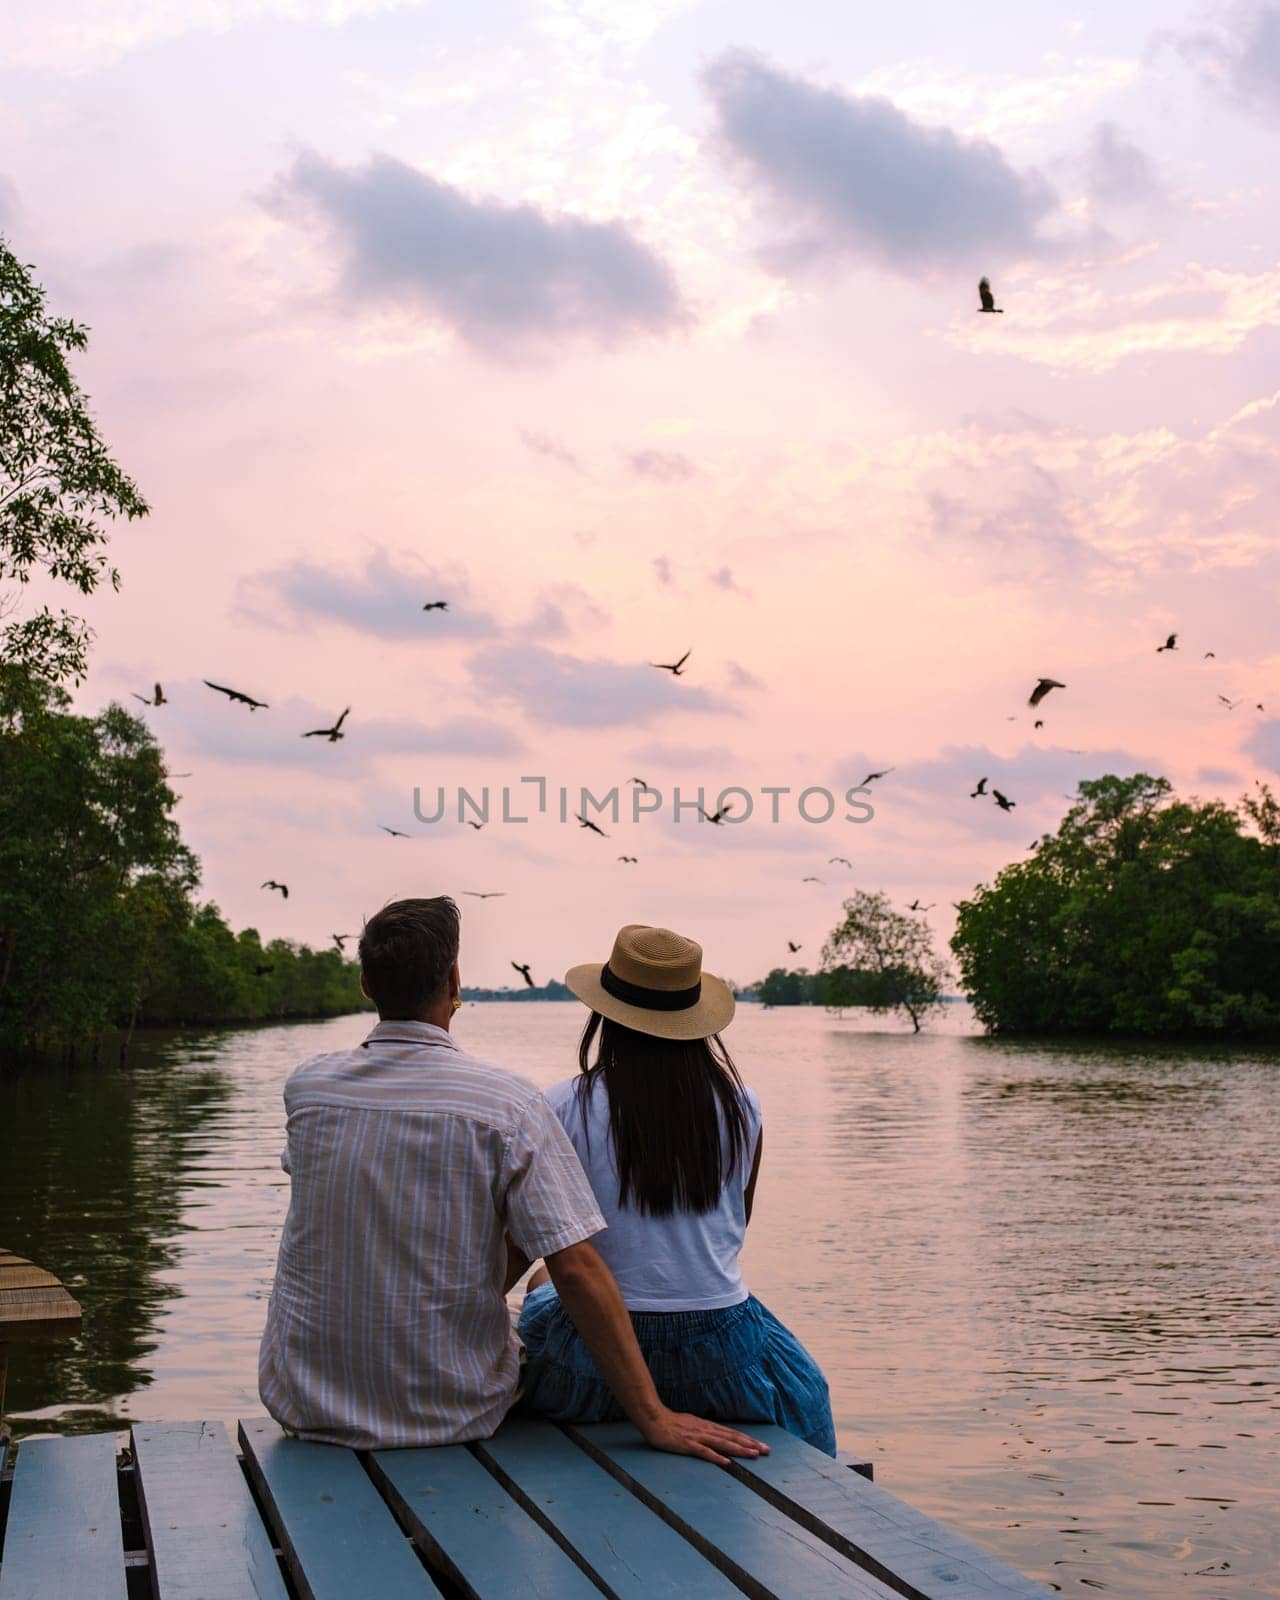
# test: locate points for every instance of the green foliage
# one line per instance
(1144, 914)
(783, 988)
(882, 959)
(57, 482)
(98, 926)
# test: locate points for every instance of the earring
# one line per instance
(457, 1002)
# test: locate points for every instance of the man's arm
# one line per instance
(590, 1295)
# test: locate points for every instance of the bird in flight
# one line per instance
(583, 822)
(981, 789)
(640, 781)
(811, 880)
(872, 776)
(394, 832)
(272, 884)
(987, 299)
(715, 816)
(436, 605)
(1230, 704)
(331, 734)
(476, 825)
(1039, 723)
(1209, 656)
(675, 668)
(916, 906)
(524, 973)
(1003, 801)
(485, 894)
(632, 859)
(840, 861)
(1043, 685)
(156, 699)
(340, 941)
(234, 694)
(1171, 643)
(793, 946)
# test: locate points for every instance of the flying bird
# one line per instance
(1038, 723)
(715, 816)
(916, 906)
(1171, 643)
(272, 884)
(872, 776)
(476, 825)
(641, 782)
(793, 946)
(234, 694)
(1043, 685)
(394, 832)
(987, 298)
(331, 734)
(1209, 656)
(1003, 801)
(981, 789)
(157, 699)
(524, 973)
(675, 668)
(583, 822)
(632, 859)
(1230, 704)
(839, 861)
(340, 940)
(436, 605)
(811, 880)
(485, 894)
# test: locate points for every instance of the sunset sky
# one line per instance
(632, 327)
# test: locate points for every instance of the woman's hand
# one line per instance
(685, 1435)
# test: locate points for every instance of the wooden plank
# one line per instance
(38, 1313)
(63, 1536)
(464, 1521)
(338, 1536)
(206, 1539)
(630, 1549)
(919, 1556)
(765, 1552)
(22, 1275)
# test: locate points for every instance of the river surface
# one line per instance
(1043, 1281)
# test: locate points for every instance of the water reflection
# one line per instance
(92, 1187)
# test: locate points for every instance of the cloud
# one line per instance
(740, 678)
(1218, 777)
(1117, 171)
(1243, 58)
(723, 578)
(1263, 744)
(682, 758)
(385, 598)
(662, 570)
(664, 466)
(509, 279)
(543, 444)
(853, 177)
(8, 203)
(572, 692)
(273, 737)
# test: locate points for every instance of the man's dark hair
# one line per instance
(406, 950)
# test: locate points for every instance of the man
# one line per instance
(424, 1183)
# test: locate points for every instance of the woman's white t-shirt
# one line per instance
(684, 1262)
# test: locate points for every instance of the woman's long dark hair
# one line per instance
(664, 1095)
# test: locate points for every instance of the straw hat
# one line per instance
(653, 982)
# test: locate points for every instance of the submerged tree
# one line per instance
(58, 485)
(1143, 914)
(882, 959)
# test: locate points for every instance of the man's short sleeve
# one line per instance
(548, 1201)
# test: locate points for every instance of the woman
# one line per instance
(670, 1140)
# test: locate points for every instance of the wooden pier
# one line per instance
(538, 1512)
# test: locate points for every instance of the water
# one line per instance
(1042, 1281)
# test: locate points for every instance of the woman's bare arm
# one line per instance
(749, 1198)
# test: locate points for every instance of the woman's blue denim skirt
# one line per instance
(738, 1364)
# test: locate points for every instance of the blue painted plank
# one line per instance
(206, 1539)
(874, 1527)
(465, 1521)
(619, 1537)
(761, 1548)
(338, 1536)
(63, 1535)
